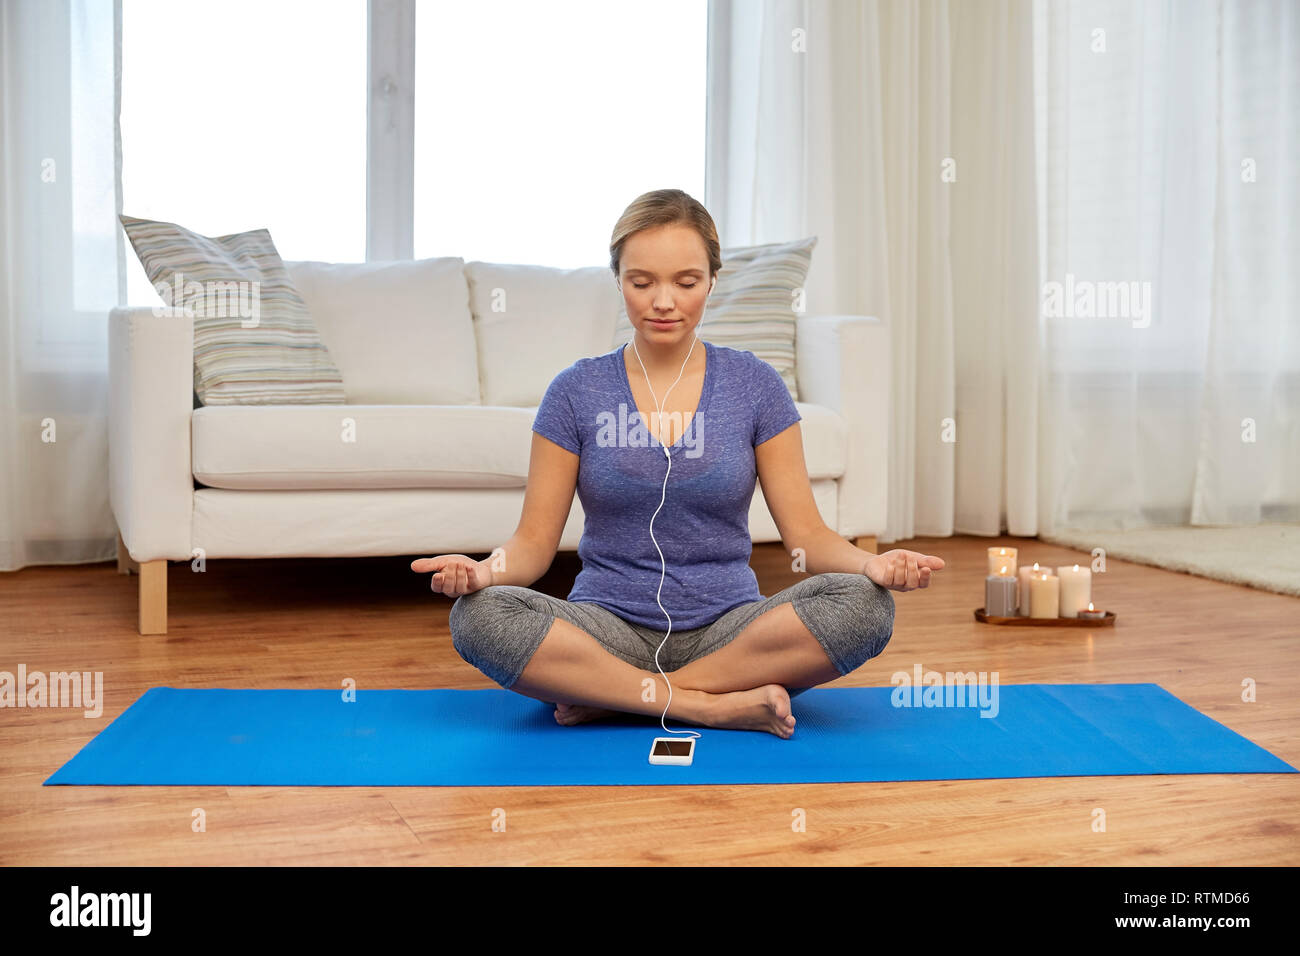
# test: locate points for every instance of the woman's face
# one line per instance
(664, 274)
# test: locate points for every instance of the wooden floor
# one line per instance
(311, 623)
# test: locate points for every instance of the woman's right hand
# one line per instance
(454, 574)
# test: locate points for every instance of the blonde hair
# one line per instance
(664, 207)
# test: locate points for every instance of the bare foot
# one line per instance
(570, 714)
(763, 708)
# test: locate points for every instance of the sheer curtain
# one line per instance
(901, 134)
(1100, 295)
(1168, 152)
(63, 270)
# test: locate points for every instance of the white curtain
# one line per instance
(1006, 182)
(63, 270)
(901, 134)
(1168, 156)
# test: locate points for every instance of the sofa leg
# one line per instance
(866, 543)
(153, 597)
(125, 563)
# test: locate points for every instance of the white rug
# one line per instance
(1263, 556)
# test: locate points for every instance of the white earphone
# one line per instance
(663, 573)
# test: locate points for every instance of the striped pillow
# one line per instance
(254, 340)
(752, 306)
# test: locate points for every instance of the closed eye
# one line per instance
(646, 285)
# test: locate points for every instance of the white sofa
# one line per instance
(444, 363)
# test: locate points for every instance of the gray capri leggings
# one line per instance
(499, 628)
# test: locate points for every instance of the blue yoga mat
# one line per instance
(205, 737)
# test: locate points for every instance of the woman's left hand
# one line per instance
(901, 570)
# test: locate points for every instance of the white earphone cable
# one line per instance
(663, 564)
(663, 495)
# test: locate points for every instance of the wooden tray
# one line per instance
(1106, 621)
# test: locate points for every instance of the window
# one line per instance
(242, 114)
(536, 124)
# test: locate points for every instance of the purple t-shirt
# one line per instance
(703, 526)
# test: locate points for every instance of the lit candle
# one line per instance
(1044, 595)
(1091, 614)
(1025, 574)
(1000, 594)
(1002, 558)
(1076, 589)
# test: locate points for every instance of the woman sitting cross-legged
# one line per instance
(676, 429)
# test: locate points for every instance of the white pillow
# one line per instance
(400, 332)
(535, 321)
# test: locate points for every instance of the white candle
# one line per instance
(1002, 557)
(1025, 574)
(1044, 595)
(1000, 595)
(1092, 613)
(1076, 589)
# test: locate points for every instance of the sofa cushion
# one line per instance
(824, 438)
(361, 446)
(254, 339)
(404, 446)
(533, 322)
(400, 332)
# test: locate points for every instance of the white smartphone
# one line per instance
(675, 751)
